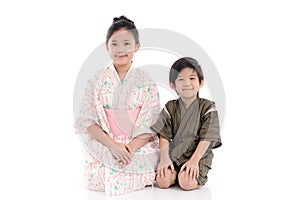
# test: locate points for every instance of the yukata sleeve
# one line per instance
(163, 126)
(210, 130)
(149, 110)
(87, 114)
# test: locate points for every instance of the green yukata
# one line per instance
(185, 128)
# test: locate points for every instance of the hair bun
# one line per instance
(116, 19)
(122, 18)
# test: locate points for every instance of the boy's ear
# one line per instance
(106, 47)
(172, 86)
(201, 83)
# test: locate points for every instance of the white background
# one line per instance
(254, 45)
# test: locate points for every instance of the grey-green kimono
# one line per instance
(185, 128)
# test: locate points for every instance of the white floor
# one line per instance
(155, 193)
(77, 190)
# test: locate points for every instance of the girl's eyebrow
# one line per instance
(126, 40)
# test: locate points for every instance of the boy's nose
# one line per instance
(186, 82)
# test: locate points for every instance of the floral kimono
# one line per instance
(123, 109)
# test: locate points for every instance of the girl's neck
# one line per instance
(122, 70)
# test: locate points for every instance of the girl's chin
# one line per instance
(122, 64)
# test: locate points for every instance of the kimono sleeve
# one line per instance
(149, 110)
(87, 114)
(163, 125)
(210, 129)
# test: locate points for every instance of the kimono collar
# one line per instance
(187, 131)
(182, 105)
(112, 67)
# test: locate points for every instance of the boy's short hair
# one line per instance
(185, 62)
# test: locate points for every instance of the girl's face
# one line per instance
(187, 84)
(121, 47)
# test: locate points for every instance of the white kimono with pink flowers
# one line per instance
(123, 109)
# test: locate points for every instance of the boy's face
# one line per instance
(121, 47)
(187, 84)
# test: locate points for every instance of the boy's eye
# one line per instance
(127, 43)
(113, 44)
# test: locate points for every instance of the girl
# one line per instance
(119, 106)
(188, 130)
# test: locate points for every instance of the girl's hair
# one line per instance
(123, 22)
(183, 63)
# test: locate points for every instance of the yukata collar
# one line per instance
(113, 69)
(181, 103)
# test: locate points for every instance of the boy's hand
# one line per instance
(163, 166)
(191, 169)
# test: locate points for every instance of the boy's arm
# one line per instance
(164, 148)
(165, 162)
(191, 166)
(200, 150)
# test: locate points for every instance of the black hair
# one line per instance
(185, 62)
(123, 22)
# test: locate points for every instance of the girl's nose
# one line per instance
(120, 50)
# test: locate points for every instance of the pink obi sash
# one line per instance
(121, 122)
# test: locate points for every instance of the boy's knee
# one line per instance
(187, 184)
(163, 183)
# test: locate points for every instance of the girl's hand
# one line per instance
(120, 153)
(131, 152)
(163, 166)
(191, 169)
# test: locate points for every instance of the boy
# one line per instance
(188, 129)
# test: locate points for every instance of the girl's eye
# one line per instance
(180, 79)
(113, 44)
(193, 78)
(127, 43)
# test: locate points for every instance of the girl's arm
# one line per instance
(118, 150)
(139, 141)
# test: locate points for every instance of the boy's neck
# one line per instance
(188, 102)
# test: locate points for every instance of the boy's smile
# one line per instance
(187, 84)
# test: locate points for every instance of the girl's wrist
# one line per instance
(132, 148)
(111, 144)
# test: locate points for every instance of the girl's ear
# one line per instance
(137, 47)
(106, 47)
(201, 83)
